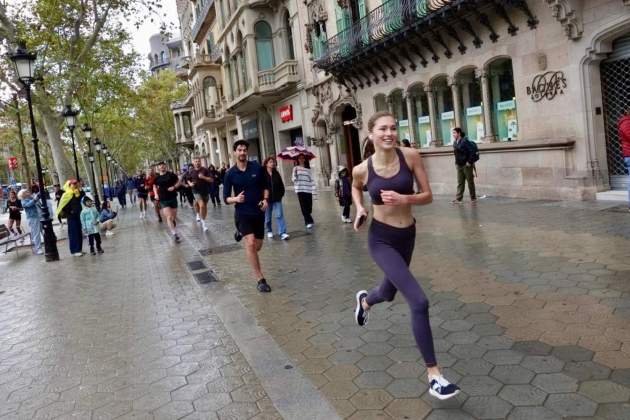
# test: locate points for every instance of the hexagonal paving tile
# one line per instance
(533, 413)
(604, 391)
(512, 374)
(533, 348)
(503, 357)
(572, 353)
(480, 385)
(583, 371)
(543, 364)
(212, 402)
(371, 399)
(616, 411)
(555, 383)
(238, 410)
(377, 379)
(487, 407)
(406, 388)
(374, 363)
(408, 409)
(571, 405)
(473, 367)
(339, 389)
(405, 370)
(520, 395)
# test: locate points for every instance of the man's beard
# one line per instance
(242, 158)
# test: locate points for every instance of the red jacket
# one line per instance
(624, 135)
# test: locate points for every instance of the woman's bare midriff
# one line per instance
(396, 216)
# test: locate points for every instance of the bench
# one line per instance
(6, 239)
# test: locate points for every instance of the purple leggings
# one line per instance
(391, 249)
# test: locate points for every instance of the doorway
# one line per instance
(351, 137)
(615, 76)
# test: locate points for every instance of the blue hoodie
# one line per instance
(89, 218)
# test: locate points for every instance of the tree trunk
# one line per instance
(62, 164)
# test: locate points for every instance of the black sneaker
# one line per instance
(263, 287)
(177, 238)
(100, 251)
(92, 252)
(360, 314)
(238, 236)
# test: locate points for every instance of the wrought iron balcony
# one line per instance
(398, 29)
(203, 19)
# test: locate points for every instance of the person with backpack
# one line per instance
(466, 154)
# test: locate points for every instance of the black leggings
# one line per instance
(391, 249)
(95, 237)
(306, 205)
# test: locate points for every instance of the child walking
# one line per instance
(89, 222)
(343, 192)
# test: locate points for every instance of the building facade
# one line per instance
(165, 54)
(540, 85)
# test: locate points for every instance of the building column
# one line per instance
(177, 132)
(457, 106)
(411, 117)
(228, 82)
(488, 127)
(251, 61)
(436, 141)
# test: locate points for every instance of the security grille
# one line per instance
(616, 95)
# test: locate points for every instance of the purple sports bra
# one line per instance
(402, 182)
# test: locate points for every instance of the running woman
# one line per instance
(165, 189)
(251, 195)
(199, 180)
(14, 207)
(148, 185)
(142, 194)
(389, 176)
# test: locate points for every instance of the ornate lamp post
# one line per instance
(71, 120)
(108, 159)
(97, 145)
(24, 66)
(87, 130)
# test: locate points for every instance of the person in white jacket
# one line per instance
(304, 185)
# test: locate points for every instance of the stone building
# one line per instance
(539, 84)
(165, 54)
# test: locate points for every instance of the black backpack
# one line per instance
(473, 149)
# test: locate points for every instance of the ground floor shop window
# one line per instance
(505, 119)
(469, 93)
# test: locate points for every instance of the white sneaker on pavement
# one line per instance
(284, 236)
(309, 226)
(198, 218)
(270, 235)
(77, 254)
(203, 226)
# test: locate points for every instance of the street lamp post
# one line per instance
(24, 65)
(97, 145)
(87, 130)
(71, 119)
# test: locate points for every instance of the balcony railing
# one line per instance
(201, 17)
(279, 75)
(380, 23)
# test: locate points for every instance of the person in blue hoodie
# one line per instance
(89, 223)
(106, 219)
(31, 208)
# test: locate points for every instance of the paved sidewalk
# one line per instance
(122, 335)
(530, 307)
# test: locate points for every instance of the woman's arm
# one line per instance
(358, 181)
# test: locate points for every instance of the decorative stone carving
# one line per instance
(344, 4)
(569, 14)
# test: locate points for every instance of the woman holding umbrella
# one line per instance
(304, 187)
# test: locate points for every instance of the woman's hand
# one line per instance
(361, 212)
(392, 198)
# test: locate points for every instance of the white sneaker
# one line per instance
(198, 218)
(270, 235)
(39, 252)
(77, 254)
(284, 236)
(309, 226)
(204, 227)
(109, 233)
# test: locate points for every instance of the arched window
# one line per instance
(209, 92)
(264, 46)
(380, 103)
(503, 95)
(287, 24)
(162, 56)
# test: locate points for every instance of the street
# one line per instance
(529, 305)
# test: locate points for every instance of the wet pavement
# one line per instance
(530, 310)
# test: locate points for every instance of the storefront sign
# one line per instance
(547, 85)
(286, 113)
(450, 115)
(424, 120)
(473, 110)
(505, 105)
(403, 123)
(13, 162)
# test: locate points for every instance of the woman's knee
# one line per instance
(420, 305)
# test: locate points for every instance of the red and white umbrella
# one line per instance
(292, 153)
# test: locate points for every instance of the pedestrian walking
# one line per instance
(141, 193)
(89, 223)
(31, 209)
(199, 181)
(214, 186)
(343, 192)
(624, 140)
(389, 176)
(107, 219)
(121, 193)
(247, 181)
(70, 209)
(305, 188)
(165, 189)
(276, 193)
(148, 185)
(131, 190)
(466, 154)
(14, 207)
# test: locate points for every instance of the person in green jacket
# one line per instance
(89, 223)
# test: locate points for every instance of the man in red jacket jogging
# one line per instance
(624, 140)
